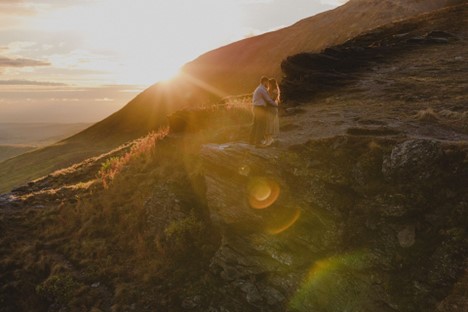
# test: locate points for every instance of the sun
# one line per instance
(143, 41)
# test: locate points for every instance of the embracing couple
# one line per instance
(265, 102)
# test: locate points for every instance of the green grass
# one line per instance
(140, 226)
(10, 151)
(32, 165)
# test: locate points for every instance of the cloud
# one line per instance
(255, 1)
(104, 100)
(30, 83)
(63, 103)
(333, 2)
(21, 62)
(18, 47)
(11, 1)
(16, 7)
(32, 7)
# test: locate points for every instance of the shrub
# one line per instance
(58, 288)
(114, 165)
(183, 233)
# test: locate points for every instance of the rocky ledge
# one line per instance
(343, 223)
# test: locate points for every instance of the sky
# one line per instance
(81, 60)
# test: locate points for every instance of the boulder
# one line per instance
(414, 161)
(347, 218)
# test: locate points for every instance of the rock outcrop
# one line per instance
(308, 74)
(320, 227)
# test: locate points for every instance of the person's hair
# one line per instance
(264, 79)
(274, 83)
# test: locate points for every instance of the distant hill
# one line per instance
(38, 134)
(232, 69)
(19, 138)
(9, 151)
(242, 63)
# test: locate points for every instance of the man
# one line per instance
(260, 100)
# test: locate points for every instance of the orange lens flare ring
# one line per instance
(262, 192)
(288, 222)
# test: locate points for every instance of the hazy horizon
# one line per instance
(79, 62)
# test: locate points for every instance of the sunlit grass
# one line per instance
(132, 215)
(113, 165)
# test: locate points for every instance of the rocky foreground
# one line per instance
(362, 205)
(345, 223)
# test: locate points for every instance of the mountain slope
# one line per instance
(229, 70)
(242, 63)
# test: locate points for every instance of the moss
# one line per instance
(58, 288)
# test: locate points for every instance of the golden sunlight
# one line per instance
(142, 41)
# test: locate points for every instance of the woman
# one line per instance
(272, 126)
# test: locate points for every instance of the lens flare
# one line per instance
(287, 222)
(263, 192)
(337, 283)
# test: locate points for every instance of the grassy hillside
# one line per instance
(242, 63)
(171, 228)
(19, 138)
(233, 69)
(38, 134)
(9, 151)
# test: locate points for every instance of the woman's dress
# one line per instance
(272, 127)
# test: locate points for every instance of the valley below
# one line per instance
(19, 138)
